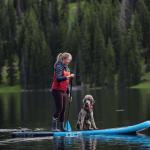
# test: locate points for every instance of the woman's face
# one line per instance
(67, 61)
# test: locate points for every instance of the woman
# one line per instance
(60, 89)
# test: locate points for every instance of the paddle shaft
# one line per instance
(70, 99)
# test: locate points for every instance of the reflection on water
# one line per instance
(89, 143)
(33, 110)
(96, 142)
(83, 143)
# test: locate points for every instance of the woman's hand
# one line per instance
(71, 76)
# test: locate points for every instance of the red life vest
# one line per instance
(62, 85)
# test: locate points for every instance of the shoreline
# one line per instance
(144, 84)
(17, 88)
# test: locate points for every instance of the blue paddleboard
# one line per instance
(128, 130)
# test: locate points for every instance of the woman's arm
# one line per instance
(59, 70)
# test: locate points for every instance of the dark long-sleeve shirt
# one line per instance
(59, 67)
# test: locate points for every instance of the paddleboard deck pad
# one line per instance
(129, 130)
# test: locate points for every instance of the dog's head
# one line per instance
(88, 101)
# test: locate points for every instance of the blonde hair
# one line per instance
(62, 56)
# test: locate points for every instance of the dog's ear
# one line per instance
(83, 100)
(93, 101)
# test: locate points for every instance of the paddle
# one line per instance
(67, 126)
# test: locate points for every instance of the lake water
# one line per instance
(34, 110)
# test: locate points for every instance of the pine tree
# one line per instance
(85, 56)
(63, 24)
(110, 69)
(98, 57)
(130, 68)
(144, 16)
(50, 23)
(2, 9)
(13, 69)
(147, 2)
(79, 12)
(1, 59)
(35, 54)
(45, 18)
(4, 73)
(26, 4)
(10, 35)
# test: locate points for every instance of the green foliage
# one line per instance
(34, 51)
(110, 67)
(130, 68)
(33, 32)
(13, 70)
(144, 17)
(85, 57)
(145, 82)
(1, 59)
(10, 89)
(99, 57)
(4, 74)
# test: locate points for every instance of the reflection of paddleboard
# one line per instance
(129, 130)
(14, 130)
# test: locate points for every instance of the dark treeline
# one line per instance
(109, 41)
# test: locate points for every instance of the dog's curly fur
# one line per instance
(85, 117)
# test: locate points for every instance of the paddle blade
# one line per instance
(68, 126)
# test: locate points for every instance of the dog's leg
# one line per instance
(89, 125)
(83, 118)
(92, 121)
(79, 121)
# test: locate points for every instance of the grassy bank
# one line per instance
(145, 82)
(10, 89)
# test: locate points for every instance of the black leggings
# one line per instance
(60, 102)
